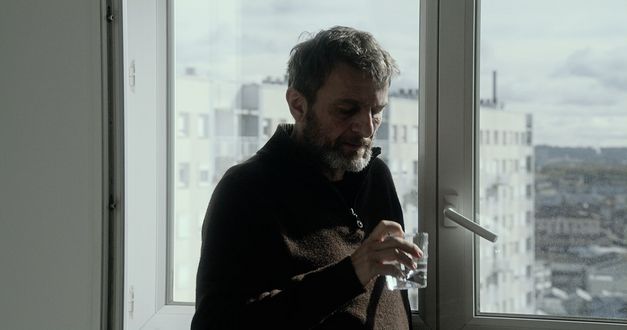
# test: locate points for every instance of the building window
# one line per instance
(414, 134)
(182, 125)
(249, 125)
(203, 176)
(267, 127)
(394, 133)
(183, 175)
(203, 125)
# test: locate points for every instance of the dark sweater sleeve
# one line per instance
(234, 289)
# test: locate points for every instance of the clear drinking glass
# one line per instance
(412, 278)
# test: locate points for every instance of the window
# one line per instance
(203, 125)
(241, 65)
(475, 290)
(183, 124)
(249, 125)
(523, 73)
(225, 92)
(203, 176)
(413, 136)
(267, 127)
(183, 175)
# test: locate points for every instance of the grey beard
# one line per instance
(335, 160)
(328, 155)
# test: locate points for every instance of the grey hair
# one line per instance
(312, 60)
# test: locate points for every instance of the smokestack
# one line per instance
(494, 99)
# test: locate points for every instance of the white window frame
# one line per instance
(456, 99)
(146, 90)
(145, 134)
(145, 63)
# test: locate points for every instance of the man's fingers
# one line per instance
(383, 251)
(395, 255)
(399, 243)
(386, 228)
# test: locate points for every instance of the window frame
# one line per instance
(146, 69)
(458, 36)
(145, 38)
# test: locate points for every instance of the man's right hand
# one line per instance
(378, 253)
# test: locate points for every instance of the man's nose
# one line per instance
(364, 124)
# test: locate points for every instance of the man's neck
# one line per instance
(332, 175)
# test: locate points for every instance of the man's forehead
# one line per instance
(362, 94)
(363, 101)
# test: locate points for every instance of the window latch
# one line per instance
(451, 214)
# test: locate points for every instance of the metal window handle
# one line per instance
(474, 227)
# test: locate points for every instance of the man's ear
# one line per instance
(297, 103)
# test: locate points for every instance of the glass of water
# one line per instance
(412, 278)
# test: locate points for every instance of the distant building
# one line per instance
(609, 278)
(569, 227)
(507, 270)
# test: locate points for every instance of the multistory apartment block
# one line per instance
(507, 273)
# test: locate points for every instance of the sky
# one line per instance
(563, 61)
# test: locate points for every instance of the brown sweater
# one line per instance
(276, 243)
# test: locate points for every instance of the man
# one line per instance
(299, 236)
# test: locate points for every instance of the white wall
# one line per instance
(51, 153)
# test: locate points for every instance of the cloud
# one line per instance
(608, 68)
(581, 79)
(260, 34)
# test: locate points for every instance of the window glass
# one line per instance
(554, 73)
(229, 72)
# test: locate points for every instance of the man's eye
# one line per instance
(346, 111)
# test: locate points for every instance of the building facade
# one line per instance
(506, 269)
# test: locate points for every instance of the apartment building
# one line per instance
(505, 190)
